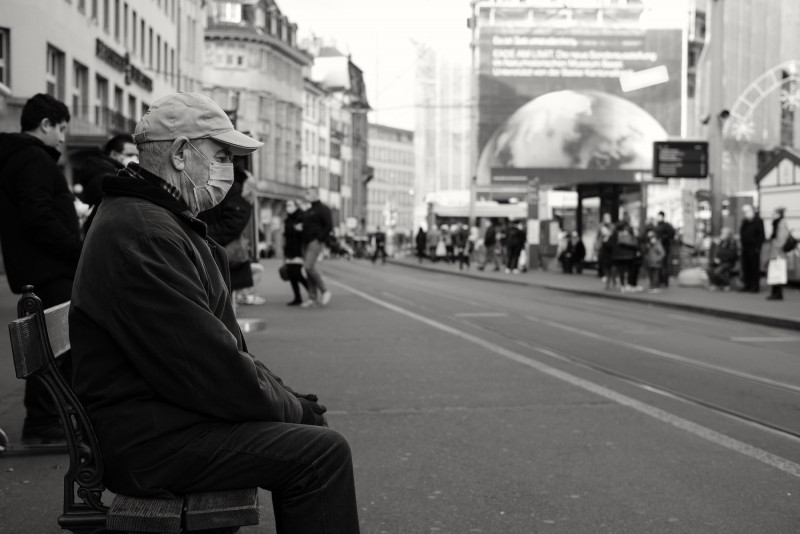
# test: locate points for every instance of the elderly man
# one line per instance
(751, 239)
(178, 403)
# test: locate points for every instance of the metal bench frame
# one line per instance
(37, 338)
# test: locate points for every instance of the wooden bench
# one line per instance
(38, 337)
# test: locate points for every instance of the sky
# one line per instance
(380, 35)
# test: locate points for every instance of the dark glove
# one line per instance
(312, 411)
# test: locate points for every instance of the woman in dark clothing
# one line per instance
(293, 250)
(225, 223)
(421, 241)
(623, 253)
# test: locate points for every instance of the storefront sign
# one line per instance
(122, 64)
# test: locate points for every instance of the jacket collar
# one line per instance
(135, 181)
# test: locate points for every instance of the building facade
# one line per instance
(108, 60)
(390, 194)
(254, 69)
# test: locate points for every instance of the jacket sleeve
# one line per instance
(326, 222)
(36, 191)
(232, 218)
(179, 346)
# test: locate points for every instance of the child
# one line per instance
(654, 255)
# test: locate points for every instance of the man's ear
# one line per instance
(45, 125)
(177, 153)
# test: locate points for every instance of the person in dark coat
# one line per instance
(116, 154)
(226, 222)
(624, 247)
(421, 241)
(490, 245)
(178, 403)
(751, 239)
(380, 245)
(39, 232)
(293, 250)
(317, 227)
(515, 242)
(723, 261)
(666, 233)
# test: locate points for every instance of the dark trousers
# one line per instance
(654, 273)
(513, 256)
(633, 274)
(751, 269)
(665, 265)
(40, 411)
(308, 470)
(463, 257)
(379, 249)
(776, 291)
(491, 256)
(296, 278)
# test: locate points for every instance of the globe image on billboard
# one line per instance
(572, 129)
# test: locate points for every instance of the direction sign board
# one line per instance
(680, 159)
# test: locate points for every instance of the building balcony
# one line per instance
(99, 121)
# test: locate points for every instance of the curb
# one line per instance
(777, 322)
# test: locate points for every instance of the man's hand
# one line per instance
(313, 412)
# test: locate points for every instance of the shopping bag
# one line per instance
(522, 263)
(441, 249)
(776, 272)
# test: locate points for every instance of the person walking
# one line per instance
(490, 246)
(293, 251)
(317, 226)
(515, 243)
(226, 223)
(421, 242)
(40, 234)
(777, 240)
(666, 233)
(178, 403)
(653, 261)
(380, 245)
(751, 239)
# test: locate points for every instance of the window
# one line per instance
(118, 98)
(82, 6)
(141, 38)
(133, 32)
(54, 77)
(229, 12)
(125, 24)
(4, 56)
(94, 9)
(80, 92)
(132, 107)
(150, 48)
(158, 53)
(101, 102)
(106, 16)
(116, 20)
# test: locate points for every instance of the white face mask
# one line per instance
(220, 180)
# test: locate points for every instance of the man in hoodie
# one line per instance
(117, 153)
(39, 232)
(178, 403)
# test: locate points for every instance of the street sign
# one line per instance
(680, 159)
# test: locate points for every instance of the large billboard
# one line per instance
(574, 101)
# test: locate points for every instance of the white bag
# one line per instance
(522, 263)
(441, 249)
(776, 272)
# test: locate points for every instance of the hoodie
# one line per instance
(39, 230)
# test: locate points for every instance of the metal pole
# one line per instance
(716, 108)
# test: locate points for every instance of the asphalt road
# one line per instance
(475, 406)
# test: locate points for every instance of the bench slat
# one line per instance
(145, 515)
(28, 353)
(220, 509)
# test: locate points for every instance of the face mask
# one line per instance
(220, 180)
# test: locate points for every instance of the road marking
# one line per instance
(782, 464)
(667, 355)
(765, 339)
(400, 299)
(481, 314)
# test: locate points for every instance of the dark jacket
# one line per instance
(225, 223)
(292, 238)
(751, 234)
(490, 238)
(91, 174)
(624, 248)
(516, 238)
(421, 240)
(317, 223)
(158, 356)
(665, 233)
(39, 228)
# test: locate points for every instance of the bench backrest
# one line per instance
(37, 338)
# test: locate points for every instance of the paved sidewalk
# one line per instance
(734, 305)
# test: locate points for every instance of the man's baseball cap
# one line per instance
(195, 116)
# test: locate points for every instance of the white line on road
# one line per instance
(787, 466)
(400, 299)
(667, 355)
(765, 339)
(481, 314)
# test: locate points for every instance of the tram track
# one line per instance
(660, 389)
